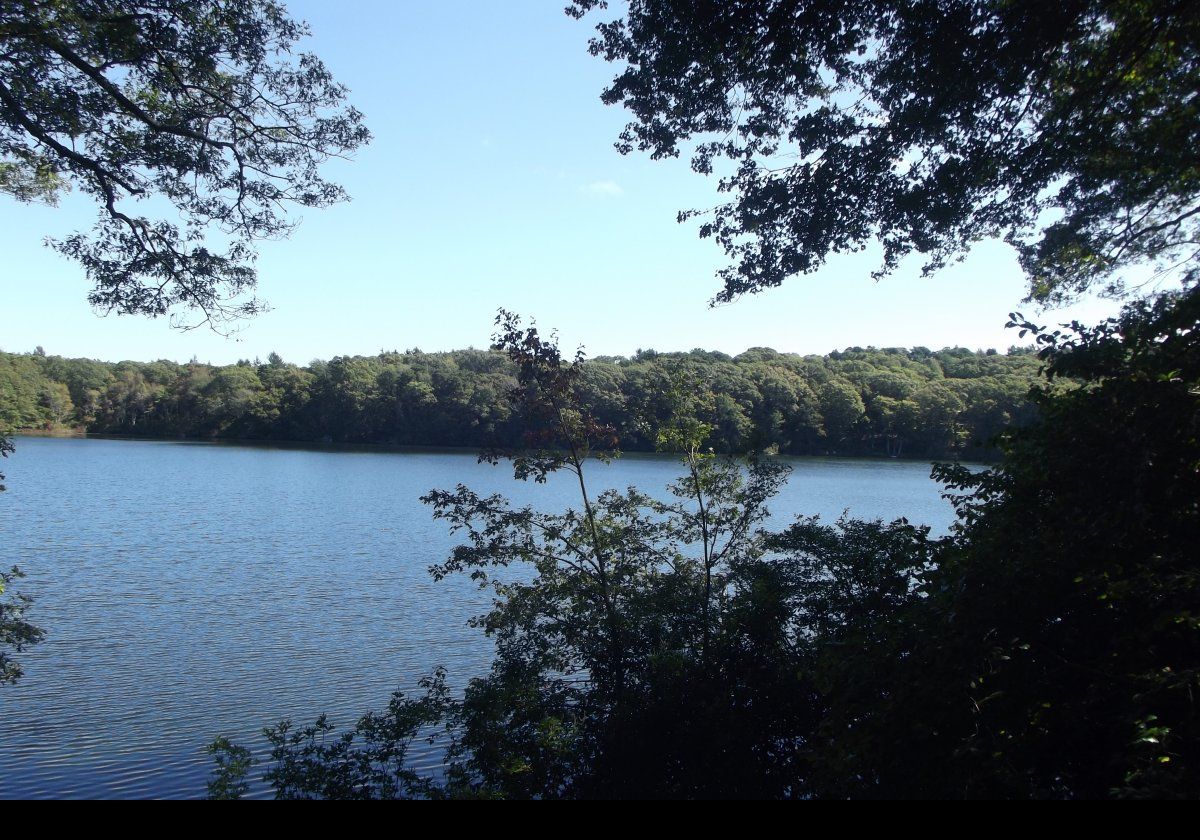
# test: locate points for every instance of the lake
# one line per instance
(196, 589)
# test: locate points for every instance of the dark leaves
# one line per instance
(924, 126)
(203, 105)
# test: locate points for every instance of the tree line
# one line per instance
(870, 401)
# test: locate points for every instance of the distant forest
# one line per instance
(859, 401)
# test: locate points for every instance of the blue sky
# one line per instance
(492, 182)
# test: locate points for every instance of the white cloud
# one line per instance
(603, 188)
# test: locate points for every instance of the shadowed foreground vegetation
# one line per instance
(665, 646)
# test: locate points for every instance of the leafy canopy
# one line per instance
(201, 105)
(858, 401)
(1069, 129)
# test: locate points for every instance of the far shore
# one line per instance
(58, 432)
(976, 459)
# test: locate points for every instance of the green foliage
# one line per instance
(1050, 650)
(6, 447)
(203, 104)
(233, 764)
(35, 180)
(1047, 648)
(625, 606)
(1102, 492)
(366, 762)
(624, 596)
(925, 126)
(15, 632)
(855, 402)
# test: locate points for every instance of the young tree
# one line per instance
(926, 126)
(201, 104)
(622, 607)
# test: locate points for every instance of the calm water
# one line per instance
(190, 590)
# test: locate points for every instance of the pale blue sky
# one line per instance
(492, 181)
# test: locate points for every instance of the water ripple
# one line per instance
(190, 591)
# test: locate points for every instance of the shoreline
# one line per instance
(335, 446)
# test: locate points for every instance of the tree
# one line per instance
(1090, 527)
(927, 126)
(367, 762)
(1050, 647)
(626, 608)
(843, 411)
(56, 401)
(15, 632)
(201, 104)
